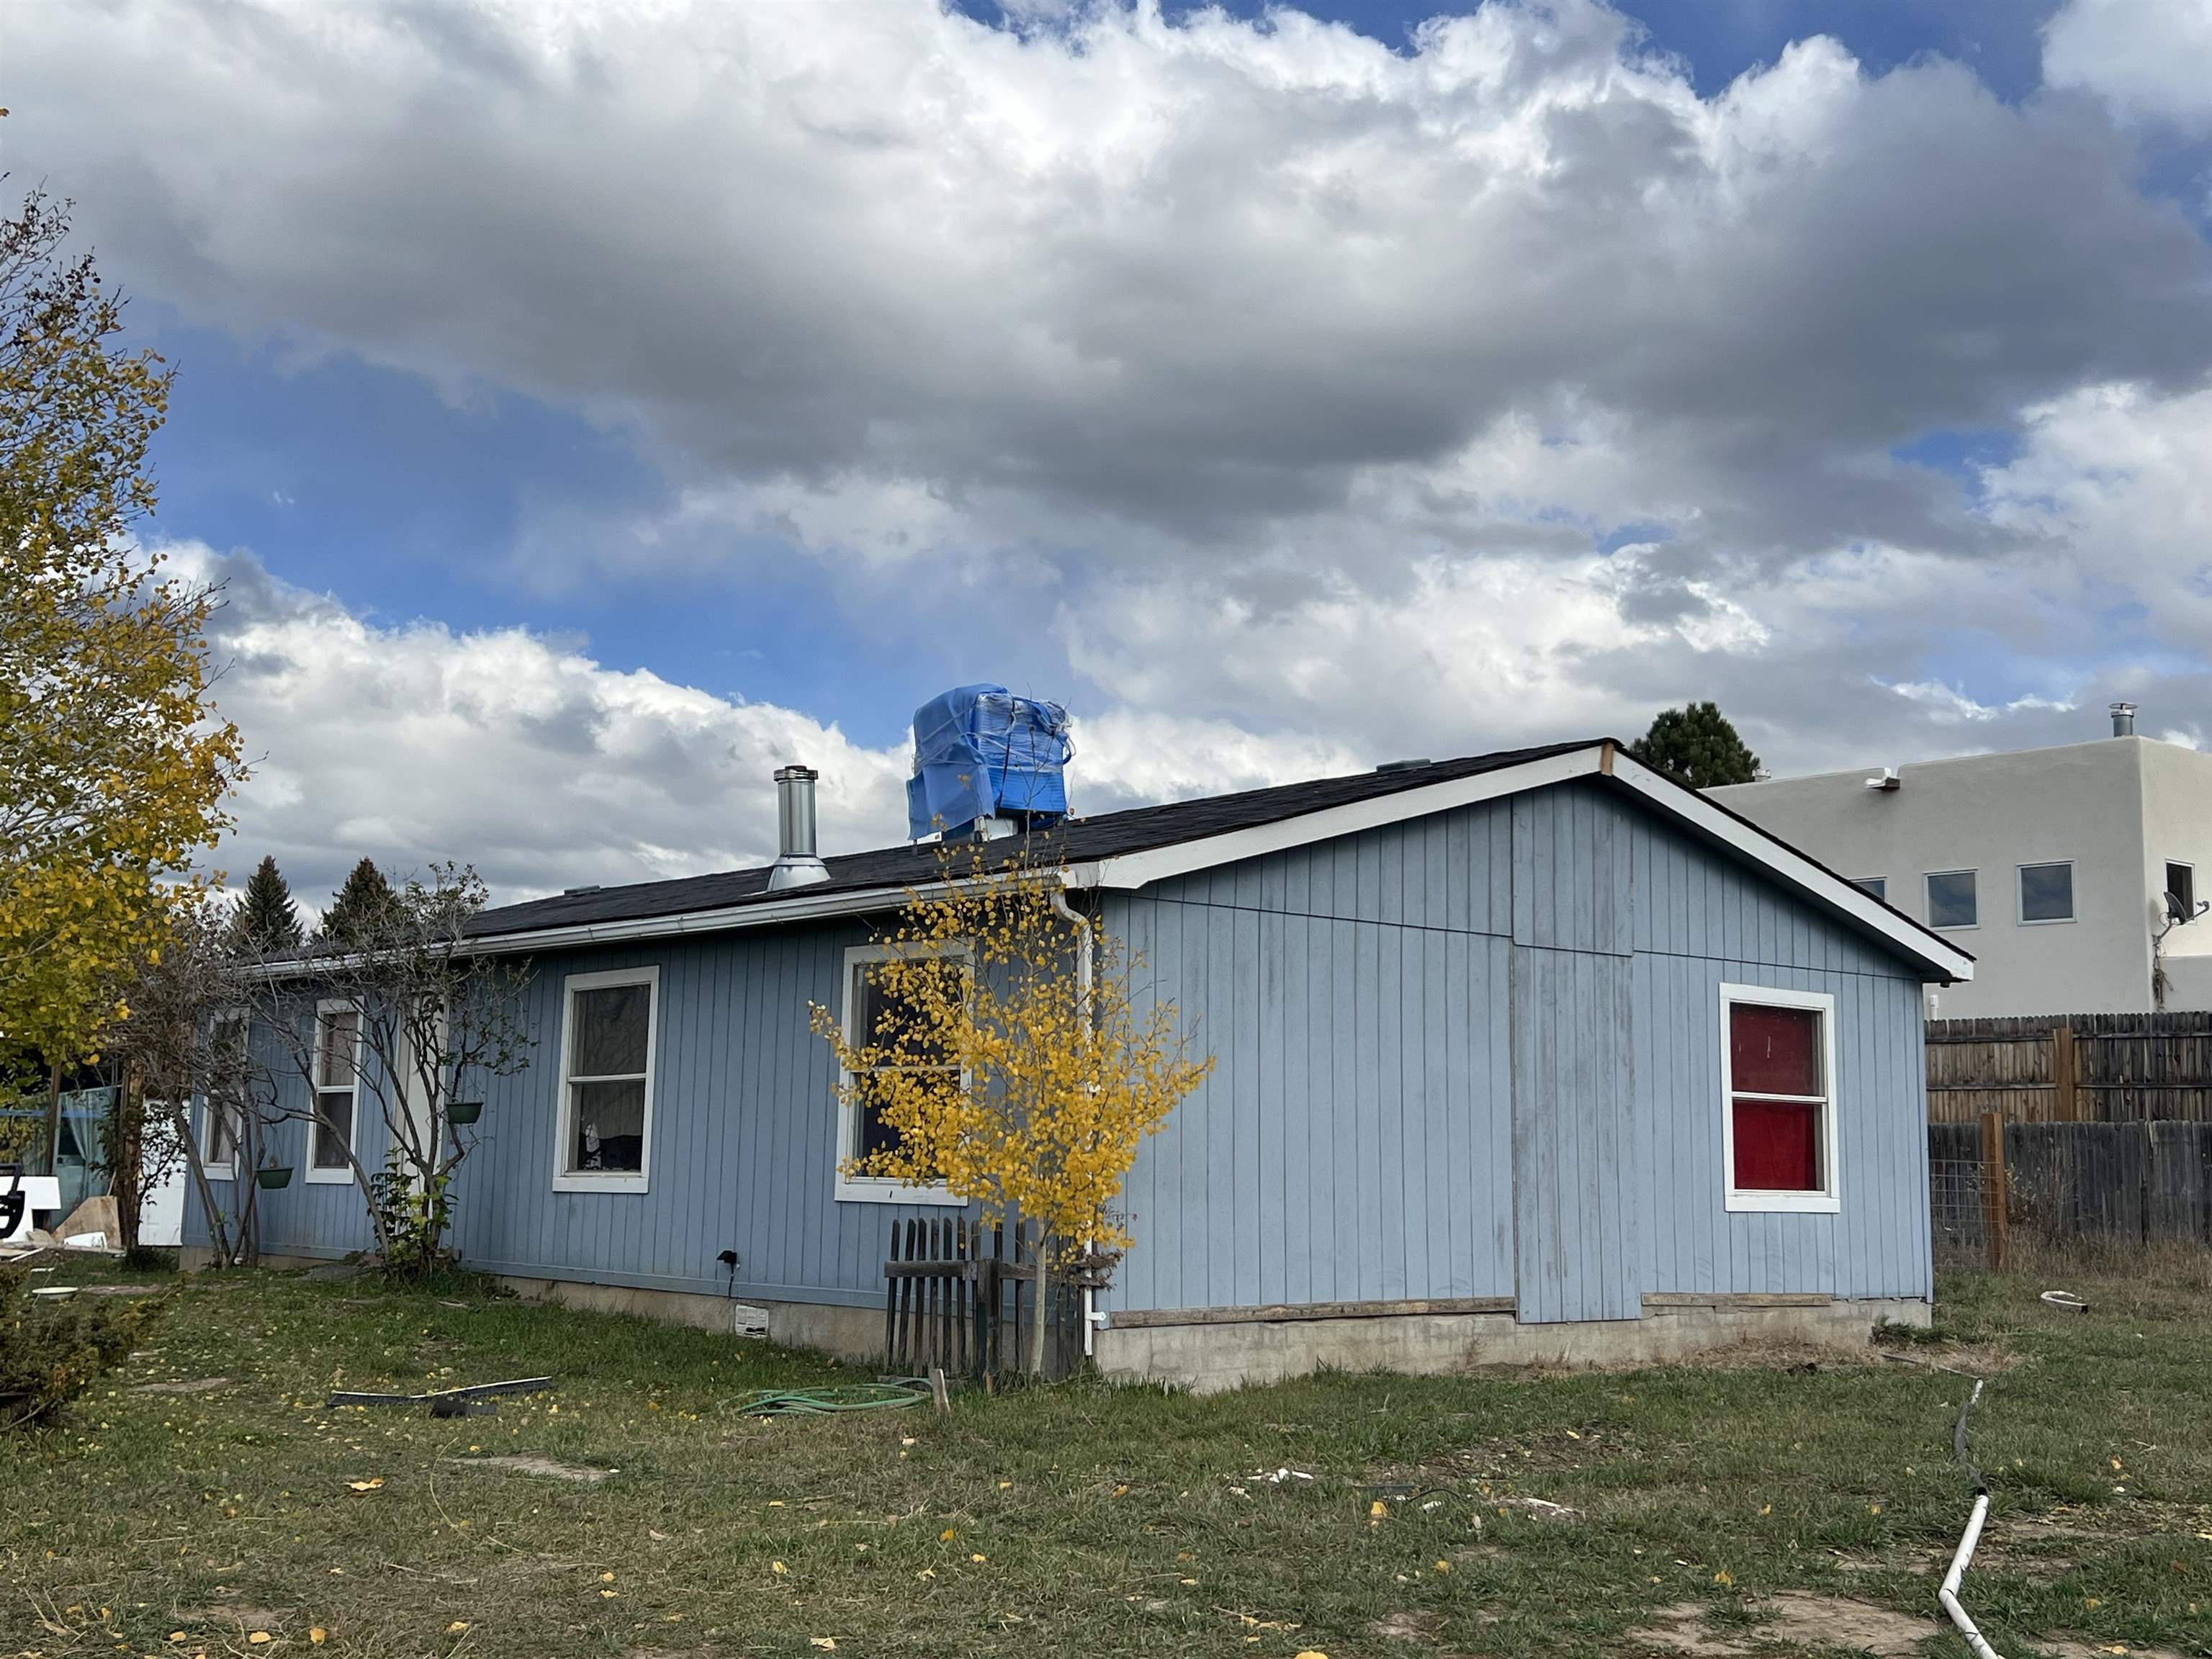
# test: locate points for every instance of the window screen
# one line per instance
(2047, 892)
(611, 1029)
(1777, 1098)
(1952, 902)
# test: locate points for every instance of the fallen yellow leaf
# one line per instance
(319, 1636)
(1443, 1567)
(827, 1644)
(458, 1625)
(945, 1537)
(606, 1578)
(366, 1485)
(1313, 1653)
(778, 1567)
(979, 1558)
(255, 1639)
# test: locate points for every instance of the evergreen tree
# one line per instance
(359, 910)
(1697, 745)
(265, 922)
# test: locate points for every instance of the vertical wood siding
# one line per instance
(1403, 1021)
(1574, 1108)
(743, 1143)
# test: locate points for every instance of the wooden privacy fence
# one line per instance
(950, 1304)
(2140, 1183)
(2071, 1068)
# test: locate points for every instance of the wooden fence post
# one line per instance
(1995, 1227)
(2064, 1073)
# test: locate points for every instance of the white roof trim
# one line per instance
(1161, 863)
(1131, 870)
(1683, 806)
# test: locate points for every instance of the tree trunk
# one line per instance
(1043, 1281)
(126, 1155)
(54, 1120)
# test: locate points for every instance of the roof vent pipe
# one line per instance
(2123, 719)
(797, 863)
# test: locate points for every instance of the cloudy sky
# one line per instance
(591, 407)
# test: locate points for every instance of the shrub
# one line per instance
(51, 1351)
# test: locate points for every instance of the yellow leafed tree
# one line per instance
(1000, 1046)
(113, 767)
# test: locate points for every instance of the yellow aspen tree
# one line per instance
(113, 764)
(1005, 1050)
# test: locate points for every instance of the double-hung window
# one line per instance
(875, 1018)
(608, 1035)
(338, 1092)
(1778, 1099)
(219, 1125)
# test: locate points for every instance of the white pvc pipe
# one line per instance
(1948, 1597)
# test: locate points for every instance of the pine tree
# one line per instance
(359, 909)
(266, 922)
(1697, 745)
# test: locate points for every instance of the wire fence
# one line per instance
(2060, 1185)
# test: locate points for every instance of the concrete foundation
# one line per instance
(855, 1334)
(1208, 1355)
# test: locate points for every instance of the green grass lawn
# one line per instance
(1087, 1520)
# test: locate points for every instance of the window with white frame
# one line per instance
(337, 1091)
(1777, 1099)
(875, 1017)
(2047, 892)
(608, 1035)
(1876, 886)
(219, 1125)
(1952, 900)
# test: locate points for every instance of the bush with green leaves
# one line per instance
(51, 1350)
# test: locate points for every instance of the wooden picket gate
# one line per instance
(950, 1304)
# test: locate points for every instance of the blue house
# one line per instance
(1534, 1055)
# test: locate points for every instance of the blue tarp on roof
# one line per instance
(981, 752)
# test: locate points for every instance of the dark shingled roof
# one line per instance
(1079, 841)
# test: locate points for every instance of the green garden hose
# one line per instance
(849, 1397)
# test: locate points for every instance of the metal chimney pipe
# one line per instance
(2123, 719)
(797, 863)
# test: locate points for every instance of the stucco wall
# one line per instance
(2110, 806)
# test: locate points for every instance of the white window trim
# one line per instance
(1860, 882)
(1928, 905)
(2020, 895)
(2167, 888)
(879, 1189)
(1830, 1199)
(228, 1169)
(566, 1180)
(336, 1175)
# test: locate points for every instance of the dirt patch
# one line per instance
(197, 1385)
(2059, 1647)
(1406, 1627)
(545, 1466)
(1799, 1618)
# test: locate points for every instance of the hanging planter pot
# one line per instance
(278, 1175)
(465, 1111)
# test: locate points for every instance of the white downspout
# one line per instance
(1085, 952)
